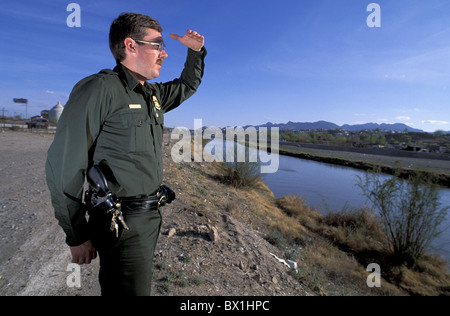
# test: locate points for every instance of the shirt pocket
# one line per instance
(139, 123)
(128, 131)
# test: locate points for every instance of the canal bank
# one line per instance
(330, 187)
(405, 166)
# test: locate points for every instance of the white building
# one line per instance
(55, 112)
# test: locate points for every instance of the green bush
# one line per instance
(276, 238)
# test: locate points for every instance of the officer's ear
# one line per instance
(130, 45)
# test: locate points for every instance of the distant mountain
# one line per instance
(305, 125)
(398, 127)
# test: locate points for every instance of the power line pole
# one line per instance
(4, 117)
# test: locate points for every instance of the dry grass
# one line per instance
(343, 244)
(358, 232)
(337, 273)
(296, 208)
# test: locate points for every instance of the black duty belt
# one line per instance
(101, 202)
(141, 204)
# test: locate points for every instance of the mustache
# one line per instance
(160, 61)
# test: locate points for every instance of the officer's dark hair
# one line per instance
(132, 25)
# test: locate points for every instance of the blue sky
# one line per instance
(276, 61)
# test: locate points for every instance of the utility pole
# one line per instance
(4, 118)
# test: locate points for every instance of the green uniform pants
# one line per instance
(126, 263)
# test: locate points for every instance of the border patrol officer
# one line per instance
(115, 119)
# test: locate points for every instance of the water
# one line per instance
(327, 187)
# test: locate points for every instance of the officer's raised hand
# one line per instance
(191, 40)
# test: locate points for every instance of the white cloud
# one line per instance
(434, 122)
(403, 118)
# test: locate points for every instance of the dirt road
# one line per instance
(33, 258)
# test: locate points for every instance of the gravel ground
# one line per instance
(34, 257)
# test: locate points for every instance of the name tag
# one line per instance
(134, 106)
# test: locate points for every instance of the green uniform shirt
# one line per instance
(111, 117)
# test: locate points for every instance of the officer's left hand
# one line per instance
(83, 254)
(191, 40)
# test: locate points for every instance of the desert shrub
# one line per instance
(241, 174)
(276, 238)
(409, 211)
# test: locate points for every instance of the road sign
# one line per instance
(20, 101)
(23, 101)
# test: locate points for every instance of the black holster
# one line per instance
(99, 197)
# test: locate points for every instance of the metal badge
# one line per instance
(157, 105)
